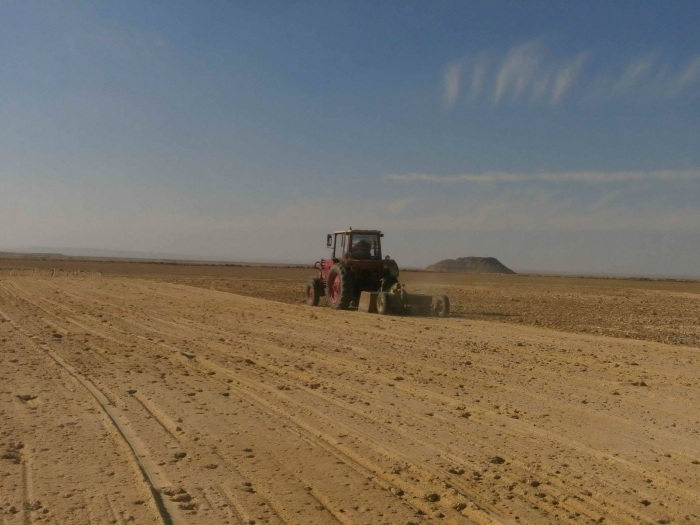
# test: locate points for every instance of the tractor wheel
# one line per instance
(339, 287)
(312, 292)
(441, 305)
(382, 303)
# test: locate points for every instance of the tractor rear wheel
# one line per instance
(441, 305)
(382, 303)
(339, 287)
(312, 292)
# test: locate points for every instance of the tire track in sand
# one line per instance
(362, 465)
(152, 475)
(169, 426)
(591, 462)
(593, 511)
(365, 466)
(598, 507)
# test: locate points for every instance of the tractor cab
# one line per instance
(356, 244)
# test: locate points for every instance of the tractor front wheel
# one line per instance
(312, 292)
(441, 305)
(339, 287)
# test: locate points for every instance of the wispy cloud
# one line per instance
(452, 80)
(514, 211)
(565, 77)
(529, 71)
(635, 72)
(565, 176)
(688, 76)
(525, 69)
(468, 72)
(518, 69)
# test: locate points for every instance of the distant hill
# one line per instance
(470, 265)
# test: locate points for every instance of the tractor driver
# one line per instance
(362, 249)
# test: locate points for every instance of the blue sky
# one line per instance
(556, 136)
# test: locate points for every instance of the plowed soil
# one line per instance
(129, 400)
(661, 311)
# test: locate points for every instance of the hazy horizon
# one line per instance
(136, 256)
(559, 137)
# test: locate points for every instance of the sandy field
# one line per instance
(134, 400)
(661, 311)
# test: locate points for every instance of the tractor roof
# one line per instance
(374, 232)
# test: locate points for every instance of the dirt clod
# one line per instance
(26, 397)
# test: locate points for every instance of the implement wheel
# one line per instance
(312, 292)
(339, 287)
(441, 306)
(382, 303)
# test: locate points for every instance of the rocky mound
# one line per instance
(470, 265)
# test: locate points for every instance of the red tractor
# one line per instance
(357, 275)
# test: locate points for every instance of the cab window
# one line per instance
(340, 247)
(365, 246)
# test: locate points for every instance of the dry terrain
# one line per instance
(666, 311)
(661, 311)
(127, 400)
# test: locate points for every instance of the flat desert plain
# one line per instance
(153, 394)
